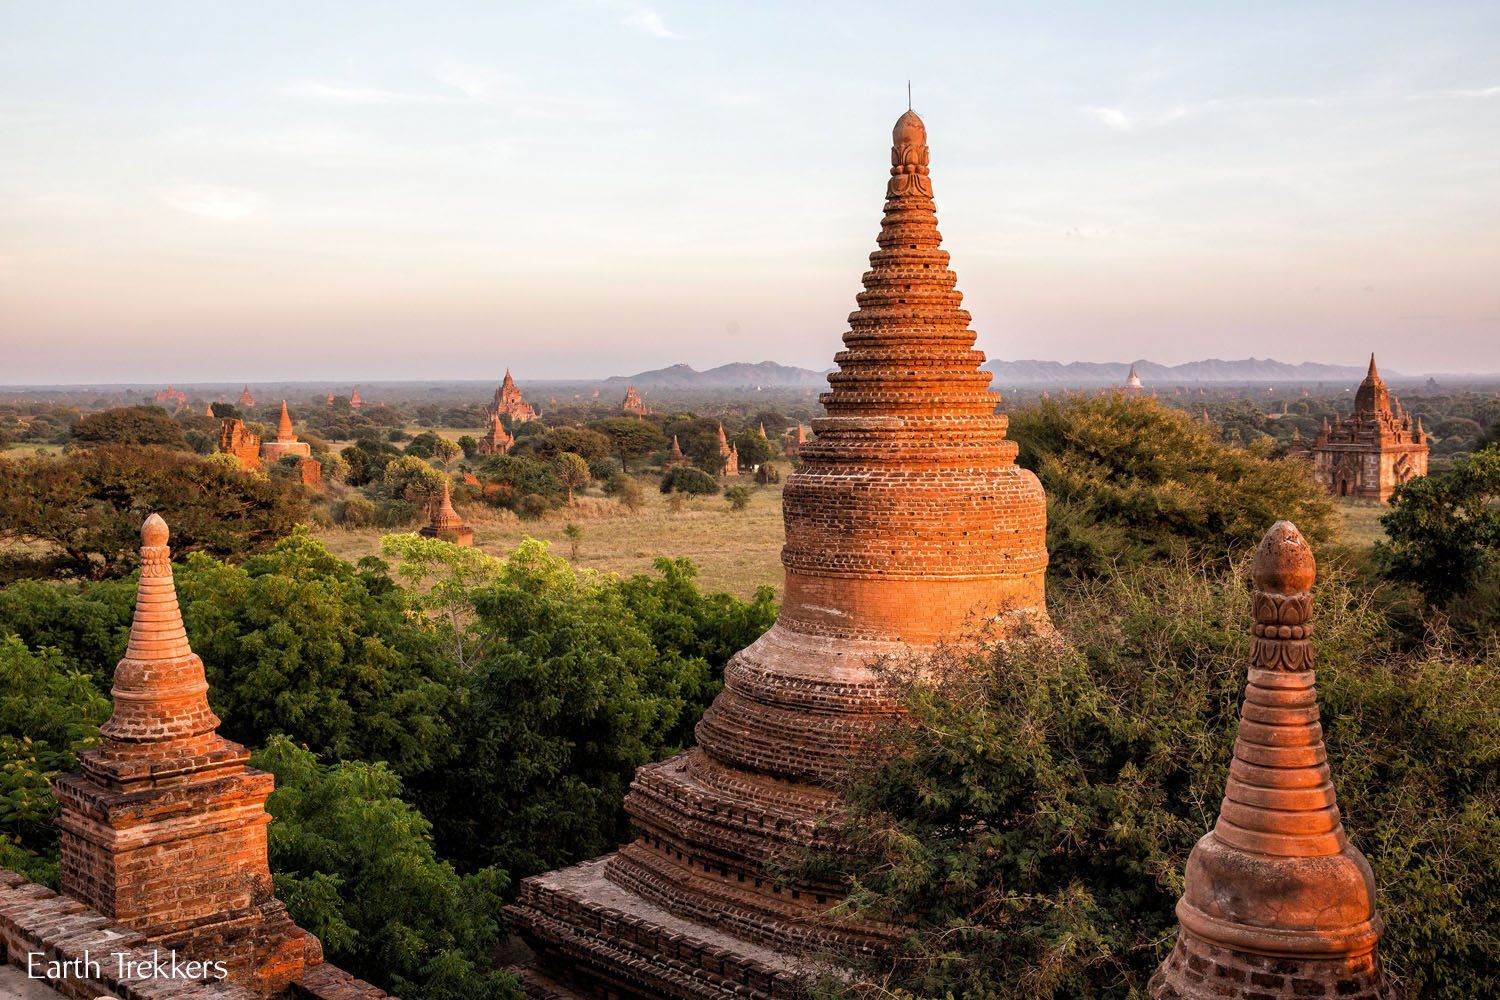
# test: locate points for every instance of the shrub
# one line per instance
(626, 489)
(738, 497)
(397, 514)
(686, 479)
(354, 512)
(532, 506)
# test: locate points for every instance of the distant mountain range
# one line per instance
(739, 374)
(1212, 370)
(769, 374)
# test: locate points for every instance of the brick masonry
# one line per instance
(907, 523)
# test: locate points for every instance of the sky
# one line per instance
(580, 188)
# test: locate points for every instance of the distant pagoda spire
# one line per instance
(1372, 399)
(284, 431)
(1275, 889)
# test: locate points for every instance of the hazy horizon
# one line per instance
(586, 188)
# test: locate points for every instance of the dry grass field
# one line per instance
(735, 551)
(1358, 526)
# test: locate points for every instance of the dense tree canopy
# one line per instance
(1129, 480)
(90, 503)
(355, 865)
(631, 437)
(1444, 528)
(144, 425)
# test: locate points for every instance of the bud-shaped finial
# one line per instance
(1284, 563)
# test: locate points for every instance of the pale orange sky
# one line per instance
(593, 187)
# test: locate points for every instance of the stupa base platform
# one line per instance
(596, 939)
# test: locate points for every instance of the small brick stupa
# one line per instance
(675, 457)
(495, 441)
(907, 523)
(286, 442)
(164, 826)
(446, 524)
(1375, 450)
(1276, 902)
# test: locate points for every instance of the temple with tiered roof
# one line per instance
(509, 402)
(1372, 452)
(907, 524)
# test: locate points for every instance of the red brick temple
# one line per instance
(494, 440)
(675, 457)
(238, 440)
(729, 455)
(633, 405)
(1377, 449)
(907, 523)
(509, 401)
(1276, 901)
(246, 399)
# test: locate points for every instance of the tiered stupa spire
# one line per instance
(163, 827)
(286, 442)
(1276, 901)
(907, 524)
(446, 524)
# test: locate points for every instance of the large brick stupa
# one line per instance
(907, 523)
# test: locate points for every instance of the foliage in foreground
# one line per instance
(1130, 481)
(1035, 809)
(356, 866)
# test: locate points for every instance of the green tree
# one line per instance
(139, 425)
(1444, 528)
(355, 865)
(434, 446)
(411, 479)
(574, 535)
(753, 449)
(441, 579)
(49, 710)
(90, 503)
(1131, 480)
(630, 436)
(298, 641)
(590, 444)
(567, 699)
(572, 472)
(626, 489)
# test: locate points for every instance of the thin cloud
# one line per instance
(642, 17)
(1112, 118)
(344, 93)
(1480, 92)
(475, 82)
(209, 201)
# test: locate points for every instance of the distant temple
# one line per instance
(176, 397)
(1133, 386)
(1377, 449)
(246, 400)
(495, 440)
(354, 400)
(729, 456)
(634, 405)
(446, 524)
(286, 442)
(238, 440)
(509, 402)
